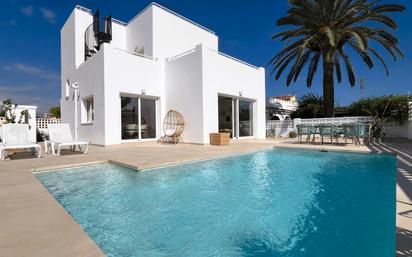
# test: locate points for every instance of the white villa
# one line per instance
(120, 79)
(280, 107)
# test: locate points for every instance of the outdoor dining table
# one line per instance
(339, 130)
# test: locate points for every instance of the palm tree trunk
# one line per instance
(328, 88)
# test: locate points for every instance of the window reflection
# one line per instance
(245, 118)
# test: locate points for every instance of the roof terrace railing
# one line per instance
(182, 54)
(150, 5)
(137, 54)
(233, 58)
(83, 9)
(172, 12)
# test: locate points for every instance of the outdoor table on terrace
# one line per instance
(339, 130)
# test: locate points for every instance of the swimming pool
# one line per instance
(281, 202)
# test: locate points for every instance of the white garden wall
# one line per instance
(283, 127)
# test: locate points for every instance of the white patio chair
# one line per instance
(16, 136)
(60, 136)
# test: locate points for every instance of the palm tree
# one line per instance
(324, 29)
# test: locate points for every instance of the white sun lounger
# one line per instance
(60, 136)
(16, 136)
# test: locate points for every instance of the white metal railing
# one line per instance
(119, 22)
(182, 54)
(41, 123)
(233, 58)
(171, 12)
(410, 110)
(137, 54)
(280, 124)
(283, 127)
(152, 4)
(337, 120)
(83, 9)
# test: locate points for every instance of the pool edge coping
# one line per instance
(176, 163)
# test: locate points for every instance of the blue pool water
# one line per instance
(270, 203)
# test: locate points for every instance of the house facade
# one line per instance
(120, 79)
(280, 107)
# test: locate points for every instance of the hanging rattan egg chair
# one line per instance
(173, 126)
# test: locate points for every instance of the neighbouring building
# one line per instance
(23, 114)
(119, 79)
(280, 107)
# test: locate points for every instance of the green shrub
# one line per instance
(293, 134)
(390, 107)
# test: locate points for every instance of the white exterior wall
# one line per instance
(194, 81)
(118, 35)
(135, 74)
(72, 56)
(82, 21)
(139, 32)
(90, 79)
(188, 82)
(173, 35)
(223, 75)
(68, 47)
(184, 92)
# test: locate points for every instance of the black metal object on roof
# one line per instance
(96, 34)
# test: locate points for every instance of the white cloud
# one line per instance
(27, 10)
(48, 14)
(33, 71)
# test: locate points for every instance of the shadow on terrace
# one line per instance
(403, 150)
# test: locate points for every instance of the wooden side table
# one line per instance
(219, 138)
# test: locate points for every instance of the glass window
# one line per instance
(245, 118)
(148, 118)
(87, 110)
(90, 110)
(131, 111)
(67, 89)
(225, 107)
(130, 118)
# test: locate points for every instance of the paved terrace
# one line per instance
(33, 224)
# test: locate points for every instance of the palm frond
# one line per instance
(338, 69)
(349, 68)
(315, 29)
(313, 68)
(379, 57)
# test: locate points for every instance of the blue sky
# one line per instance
(30, 45)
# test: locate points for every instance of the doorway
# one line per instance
(235, 116)
(138, 118)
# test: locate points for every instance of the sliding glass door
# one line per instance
(226, 115)
(245, 118)
(138, 118)
(235, 116)
(130, 117)
(148, 118)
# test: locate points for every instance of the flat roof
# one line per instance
(150, 5)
